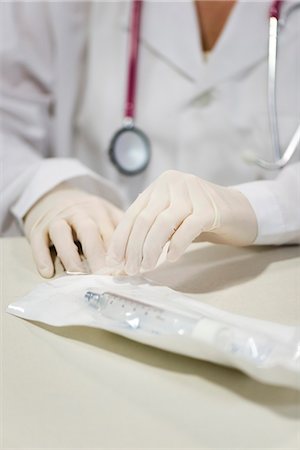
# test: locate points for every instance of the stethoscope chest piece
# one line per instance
(130, 150)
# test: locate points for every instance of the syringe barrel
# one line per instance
(133, 314)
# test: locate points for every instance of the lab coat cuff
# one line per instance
(269, 216)
(53, 171)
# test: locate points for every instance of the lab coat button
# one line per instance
(206, 98)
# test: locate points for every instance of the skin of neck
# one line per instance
(212, 16)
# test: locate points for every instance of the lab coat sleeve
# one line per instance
(276, 204)
(25, 98)
(28, 72)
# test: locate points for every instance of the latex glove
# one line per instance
(178, 208)
(66, 215)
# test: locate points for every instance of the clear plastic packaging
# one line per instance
(158, 316)
(137, 316)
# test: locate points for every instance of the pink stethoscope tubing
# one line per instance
(133, 59)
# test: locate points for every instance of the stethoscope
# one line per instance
(280, 160)
(130, 149)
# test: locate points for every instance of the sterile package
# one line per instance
(158, 316)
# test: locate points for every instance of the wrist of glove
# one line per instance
(177, 209)
(64, 217)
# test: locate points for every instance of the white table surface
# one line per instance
(78, 388)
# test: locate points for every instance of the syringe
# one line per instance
(134, 314)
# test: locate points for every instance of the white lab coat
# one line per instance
(63, 83)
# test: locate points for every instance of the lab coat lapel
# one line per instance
(244, 42)
(170, 29)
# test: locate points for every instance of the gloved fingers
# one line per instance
(204, 204)
(159, 201)
(115, 214)
(190, 228)
(61, 236)
(39, 242)
(160, 233)
(105, 225)
(117, 249)
(91, 241)
(168, 205)
(204, 217)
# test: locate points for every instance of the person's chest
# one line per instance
(201, 116)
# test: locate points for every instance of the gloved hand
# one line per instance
(66, 215)
(178, 208)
